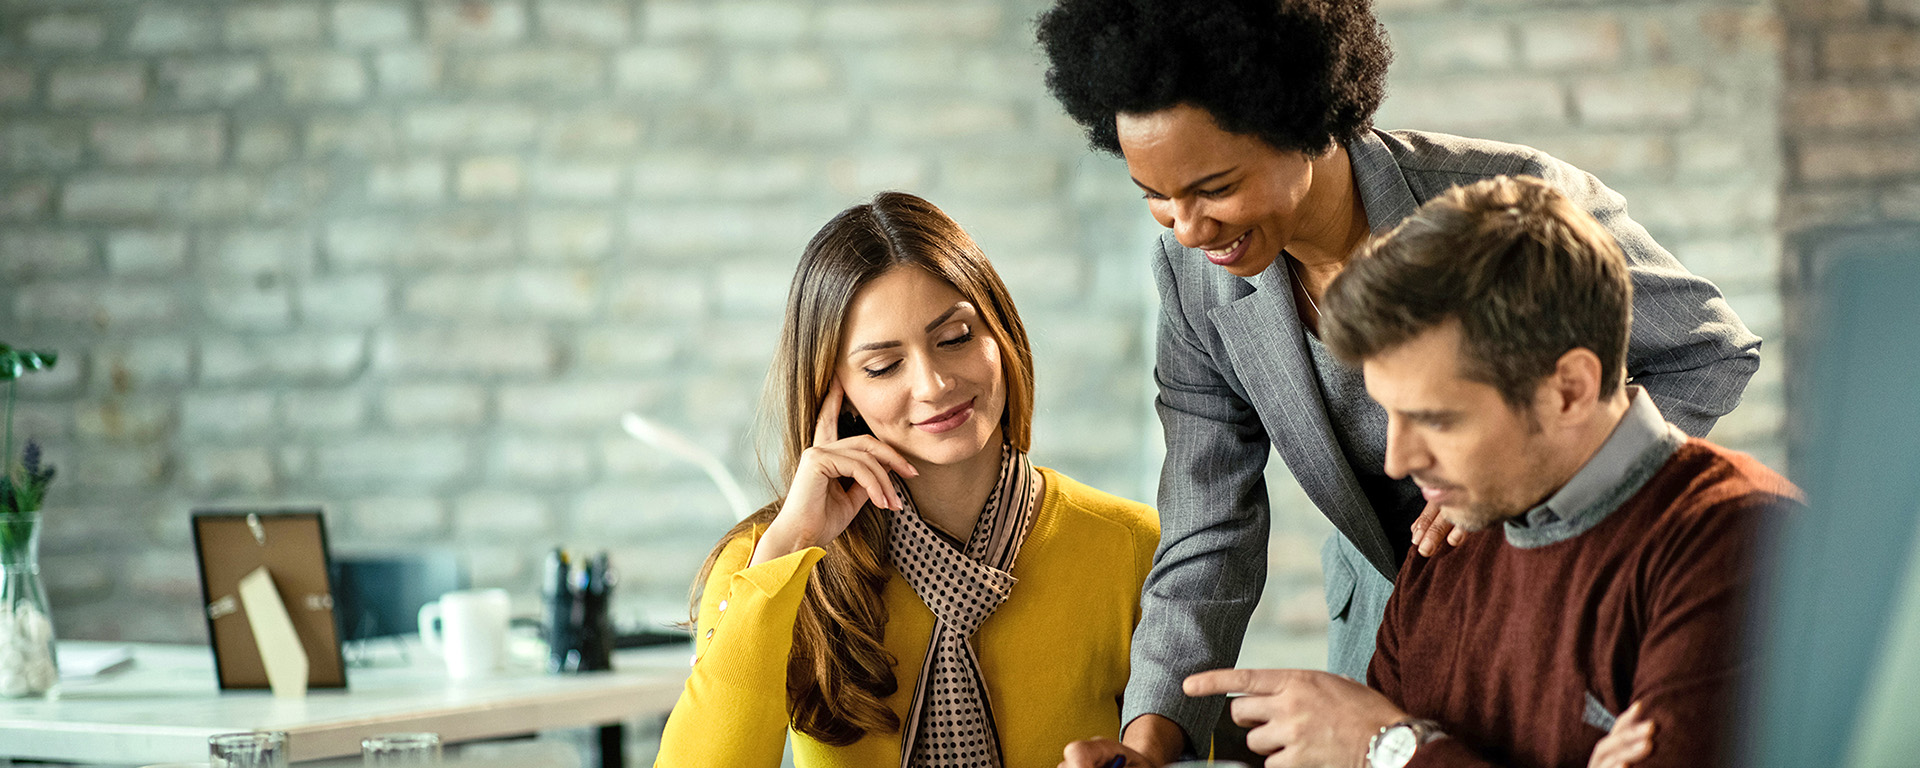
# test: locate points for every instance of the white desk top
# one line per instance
(166, 705)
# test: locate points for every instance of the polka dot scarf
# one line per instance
(950, 723)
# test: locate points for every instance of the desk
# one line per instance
(168, 703)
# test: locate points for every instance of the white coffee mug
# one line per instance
(471, 631)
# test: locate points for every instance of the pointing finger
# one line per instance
(1214, 682)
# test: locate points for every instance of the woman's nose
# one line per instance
(1192, 227)
(929, 381)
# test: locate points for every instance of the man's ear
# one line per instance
(1574, 385)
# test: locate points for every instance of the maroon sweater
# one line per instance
(1512, 650)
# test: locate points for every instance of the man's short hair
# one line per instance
(1528, 274)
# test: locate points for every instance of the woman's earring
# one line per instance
(851, 423)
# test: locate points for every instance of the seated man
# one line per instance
(1492, 326)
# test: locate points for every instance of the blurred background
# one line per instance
(409, 260)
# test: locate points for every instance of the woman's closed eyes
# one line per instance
(965, 337)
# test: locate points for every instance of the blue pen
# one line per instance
(1117, 762)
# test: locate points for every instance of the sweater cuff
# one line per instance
(1448, 752)
(1151, 693)
(774, 576)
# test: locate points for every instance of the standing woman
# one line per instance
(922, 595)
(1247, 125)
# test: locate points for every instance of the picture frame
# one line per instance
(291, 544)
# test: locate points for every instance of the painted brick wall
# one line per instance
(1851, 134)
(411, 258)
(1674, 105)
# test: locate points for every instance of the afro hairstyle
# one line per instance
(1298, 74)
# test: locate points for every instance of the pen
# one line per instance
(1117, 762)
(601, 573)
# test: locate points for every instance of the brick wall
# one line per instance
(1674, 105)
(1851, 133)
(411, 258)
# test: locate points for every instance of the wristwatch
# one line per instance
(1394, 745)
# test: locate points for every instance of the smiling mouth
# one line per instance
(949, 419)
(1232, 252)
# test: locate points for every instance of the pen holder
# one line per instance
(578, 629)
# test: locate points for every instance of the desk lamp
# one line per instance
(677, 444)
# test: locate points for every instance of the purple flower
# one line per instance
(24, 491)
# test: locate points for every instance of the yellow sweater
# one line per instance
(1054, 655)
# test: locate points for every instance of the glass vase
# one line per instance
(27, 665)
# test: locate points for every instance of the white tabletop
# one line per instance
(167, 703)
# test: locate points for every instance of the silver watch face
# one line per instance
(1394, 748)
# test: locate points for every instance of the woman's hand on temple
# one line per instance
(834, 479)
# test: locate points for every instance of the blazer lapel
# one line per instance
(1267, 346)
(1384, 192)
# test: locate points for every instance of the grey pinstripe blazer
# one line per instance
(1235, 376)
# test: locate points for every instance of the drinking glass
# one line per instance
(259, 749)
(400, 749)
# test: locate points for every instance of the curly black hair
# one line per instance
(1299, 74)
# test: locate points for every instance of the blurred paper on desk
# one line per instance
(81, 662)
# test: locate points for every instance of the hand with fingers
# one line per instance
(1300, 717)
(1630, 741)
(1150, 741)
(1431, 528)
(834, 479)
(1103, 753)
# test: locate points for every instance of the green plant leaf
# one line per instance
(15, 363)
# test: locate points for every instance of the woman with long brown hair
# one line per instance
(922, 594)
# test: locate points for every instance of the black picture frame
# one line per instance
(291, 543)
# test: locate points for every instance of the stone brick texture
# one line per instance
(1850, 135)
(412, 259)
